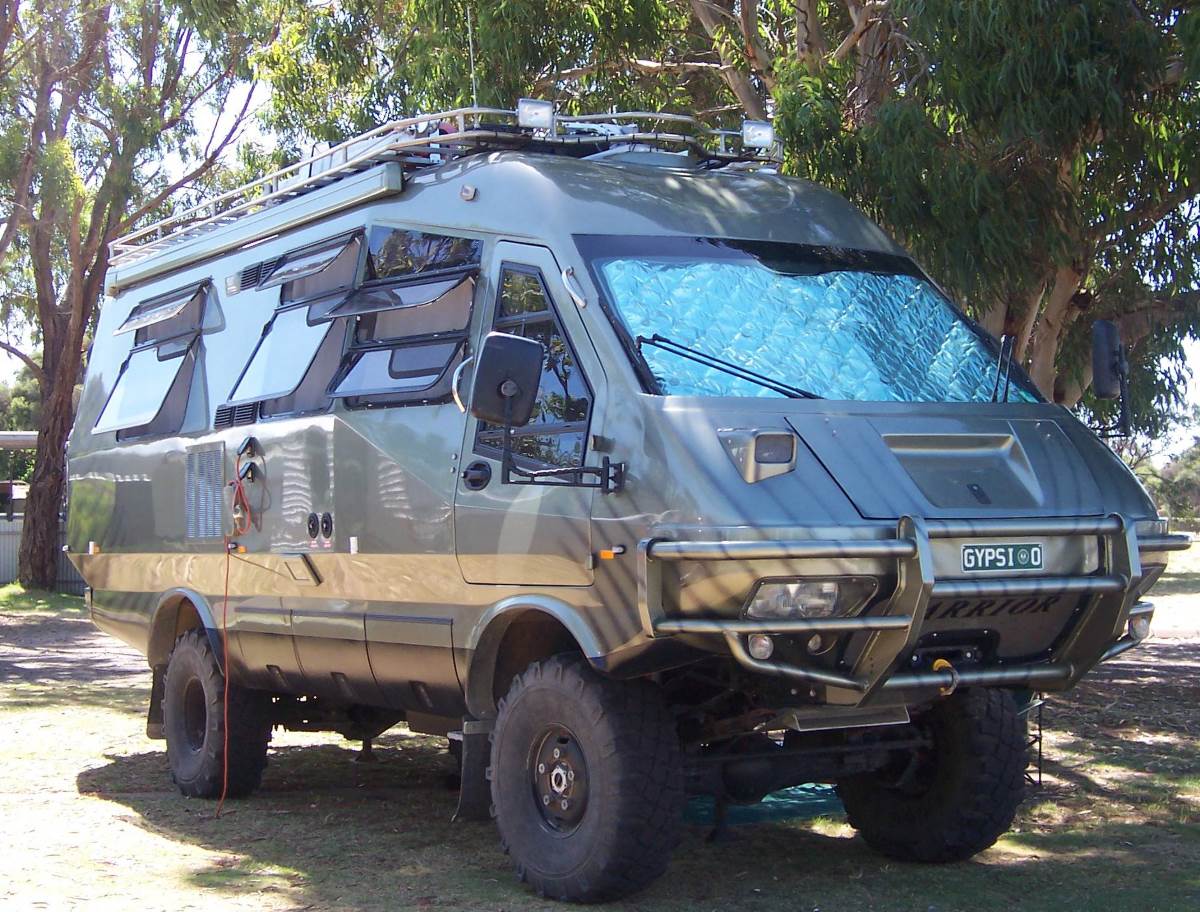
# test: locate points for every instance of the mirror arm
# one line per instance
(1123, 427)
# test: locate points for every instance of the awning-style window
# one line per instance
(376, 298)
(166, 316)
(140, 390)
(328, 266)
(403, 369)
(282, 357)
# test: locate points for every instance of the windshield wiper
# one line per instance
(742, 373)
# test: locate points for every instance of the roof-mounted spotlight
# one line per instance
(535, 114)
(757, 134)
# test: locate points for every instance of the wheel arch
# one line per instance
(179, 610)
(515, 632)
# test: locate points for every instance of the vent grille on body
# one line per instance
(204, 488)
(235, 415)
(252, 275)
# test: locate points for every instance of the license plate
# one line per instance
(1017, 556)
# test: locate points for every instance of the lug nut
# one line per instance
(546, 800)
(570, 775)
(541, 769)
(557, 753)
(564, 804)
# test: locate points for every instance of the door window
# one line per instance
(557, 433)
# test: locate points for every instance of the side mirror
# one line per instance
(1108, 360)
(508, 370)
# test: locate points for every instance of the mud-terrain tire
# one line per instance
(194, 724)
(964, 792)
(620, 742)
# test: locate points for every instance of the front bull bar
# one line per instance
(894, 627)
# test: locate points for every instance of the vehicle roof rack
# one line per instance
(429, 140)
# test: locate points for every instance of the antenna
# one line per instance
(471, 47)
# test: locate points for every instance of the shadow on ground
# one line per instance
(1114, 827)
(372, 837)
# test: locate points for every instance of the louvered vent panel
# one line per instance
(233, 415)
(246, 413)
(203, 486)
(252, 275)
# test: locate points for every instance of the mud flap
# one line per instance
(154, 717)
(475, 794)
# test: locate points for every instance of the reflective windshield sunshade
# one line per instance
(140, 390)
(836, 324)
(281, 358)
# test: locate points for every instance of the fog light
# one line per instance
(1139, 627)
(760, 646)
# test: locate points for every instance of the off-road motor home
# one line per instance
(633, 467)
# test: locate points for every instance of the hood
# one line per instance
(947, 462)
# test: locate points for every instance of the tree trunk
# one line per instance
(38, 562)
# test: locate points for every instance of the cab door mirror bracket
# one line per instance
(508, 371)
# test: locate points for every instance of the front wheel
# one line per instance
(587, 783)
(194, 724)
(956, 795)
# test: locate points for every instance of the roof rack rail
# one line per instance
(429, 140)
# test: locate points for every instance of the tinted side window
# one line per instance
(557, 432)
(396, 252)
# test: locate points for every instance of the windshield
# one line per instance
(835, 323)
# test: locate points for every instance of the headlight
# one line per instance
(778, 600)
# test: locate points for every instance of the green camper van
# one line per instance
(630, 465)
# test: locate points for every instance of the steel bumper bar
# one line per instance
(894, 627)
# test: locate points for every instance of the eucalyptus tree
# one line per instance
(99, 128)
(1041, 158)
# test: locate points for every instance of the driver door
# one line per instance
(532, 534)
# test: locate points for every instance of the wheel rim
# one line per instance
(560, 782)
(195, 715)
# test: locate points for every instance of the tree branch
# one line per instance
(34, 367)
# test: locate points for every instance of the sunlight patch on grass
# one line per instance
(14, 597)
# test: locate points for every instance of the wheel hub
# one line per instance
(559, 772)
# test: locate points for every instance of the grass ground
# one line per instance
(89, 817)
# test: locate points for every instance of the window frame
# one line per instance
(354, 350)
(321, 306)
(338, 241)
(266, 331)
(184, 345)
(490, 451)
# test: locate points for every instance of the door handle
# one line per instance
(454, 378)
(477, 475)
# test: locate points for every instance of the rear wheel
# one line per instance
(586, 778)
(953, 797)
(194, 724)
